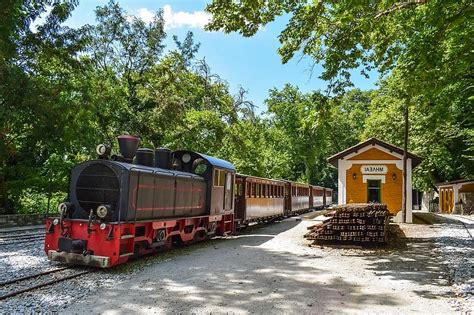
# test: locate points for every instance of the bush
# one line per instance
(31, 201)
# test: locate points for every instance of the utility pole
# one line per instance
(405, 152)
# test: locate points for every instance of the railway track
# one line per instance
(17, 286)
(19, 237)
(19, 231)
(12, 241)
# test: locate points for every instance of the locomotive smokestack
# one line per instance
(128, 146)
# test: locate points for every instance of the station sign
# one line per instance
(373, 169)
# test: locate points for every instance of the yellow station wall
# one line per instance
(391, 190)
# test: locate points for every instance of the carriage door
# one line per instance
(239, 195)
(287, 198)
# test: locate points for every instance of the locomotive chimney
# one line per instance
(163, 158)
(128, 146)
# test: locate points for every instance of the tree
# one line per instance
(424, 40)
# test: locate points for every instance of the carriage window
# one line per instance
(247, 189)
(239, 189)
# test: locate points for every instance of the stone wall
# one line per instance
(12, 220)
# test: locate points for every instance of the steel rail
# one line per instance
(22, 241)
(19, 237)
(4, 283)
(41, 285)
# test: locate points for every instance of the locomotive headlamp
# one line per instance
(102, 211)
(102, 226)
(103, 150)
(186, 158)
(55, 221)
(62, 208)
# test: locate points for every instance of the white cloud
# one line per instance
(145, 15)
(196, 19)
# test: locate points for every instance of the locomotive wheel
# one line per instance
(199, 236)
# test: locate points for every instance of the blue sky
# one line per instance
(252, 63)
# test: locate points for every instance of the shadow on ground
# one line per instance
(252, 272)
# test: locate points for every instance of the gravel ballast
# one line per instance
(269, 269)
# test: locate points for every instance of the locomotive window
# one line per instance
(216, 177)
(221, 178)
(199, 166)
(228, 181)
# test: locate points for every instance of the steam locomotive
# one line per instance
(142, 200)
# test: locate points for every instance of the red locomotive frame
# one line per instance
(115, 243)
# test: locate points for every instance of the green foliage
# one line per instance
(423, 50)
(63, 90)
(425, 37)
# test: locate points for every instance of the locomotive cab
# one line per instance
(219, 175)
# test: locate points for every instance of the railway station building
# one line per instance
(372, 171)
(456, 196)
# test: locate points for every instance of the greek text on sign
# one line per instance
(373, 169)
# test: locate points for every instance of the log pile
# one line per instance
(352, 224)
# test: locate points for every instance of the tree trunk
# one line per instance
(405, 151)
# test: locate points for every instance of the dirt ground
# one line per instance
(271, 270)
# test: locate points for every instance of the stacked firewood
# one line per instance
(359, 224)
